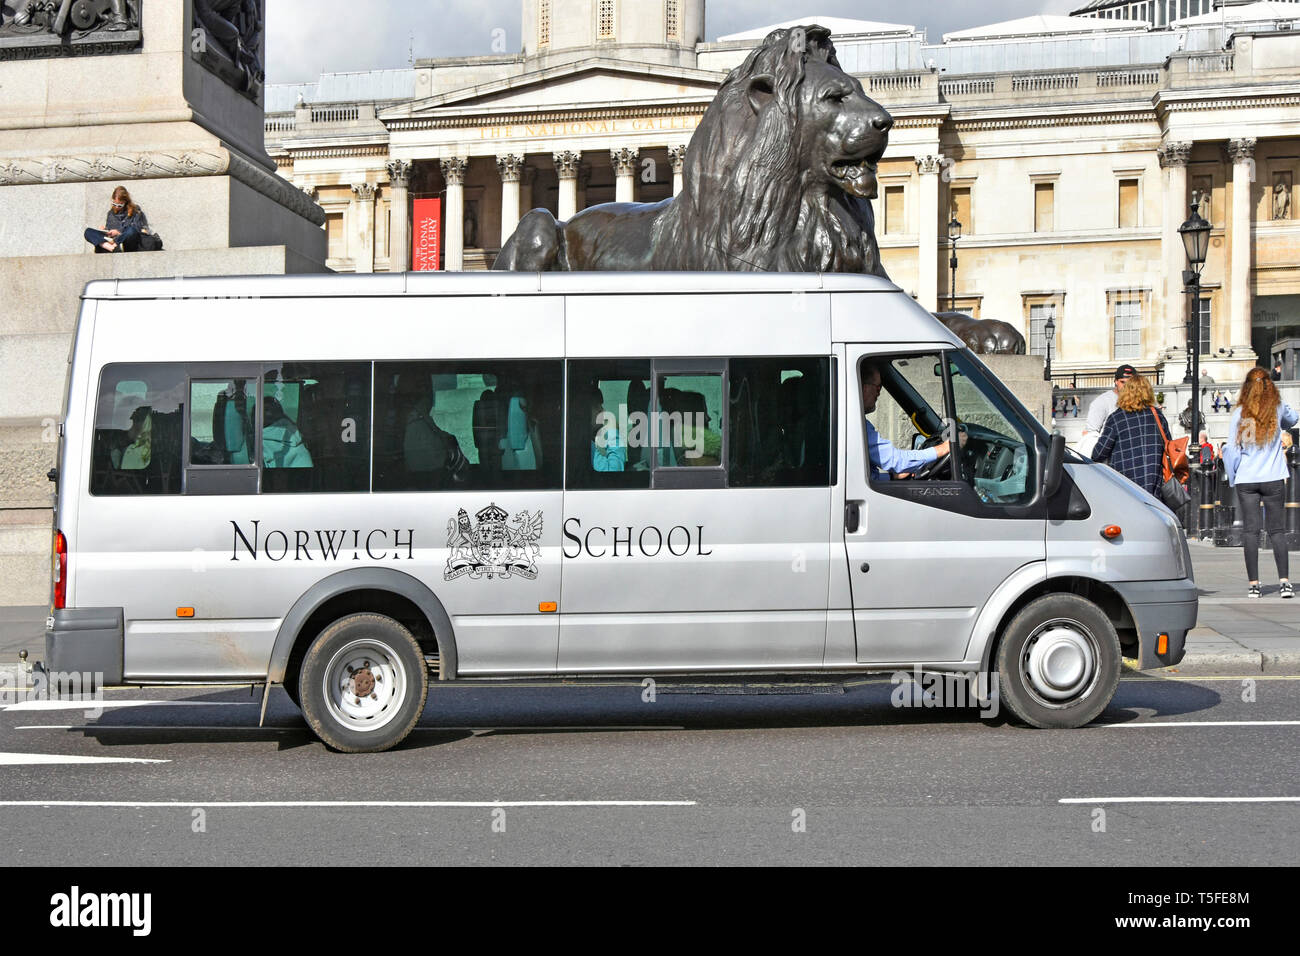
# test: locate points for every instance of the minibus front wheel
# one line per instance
(363, 684)
(1058, 662)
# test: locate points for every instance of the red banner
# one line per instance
(426, 237)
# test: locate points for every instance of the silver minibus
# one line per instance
(352, 485)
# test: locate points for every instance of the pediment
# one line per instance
(585, 82)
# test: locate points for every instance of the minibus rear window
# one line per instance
(138, 431)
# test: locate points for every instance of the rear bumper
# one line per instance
(85, 640)
(1160, 607)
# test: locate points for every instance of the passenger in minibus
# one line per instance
(431, 455)
(136, 451)
(888, 461)
(608, 451)
(282, 444)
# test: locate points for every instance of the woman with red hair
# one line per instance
(1255, 463)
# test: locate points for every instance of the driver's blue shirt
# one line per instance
(886, 458)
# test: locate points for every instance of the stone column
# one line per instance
(527, 176)
(508, 166)
(566, 167)
(624, 163)
(1242, 154)
(399, 235)
(584, 180)
(927, 263)
(677, 154)
(453, 171)
(1177, 206)
(363, 226)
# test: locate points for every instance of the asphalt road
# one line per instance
(595, 775)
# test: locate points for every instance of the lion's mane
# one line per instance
(745, 197)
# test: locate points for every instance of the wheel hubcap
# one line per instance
(1060, 661)
(365, 684)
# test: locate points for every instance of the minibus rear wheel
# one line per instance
(363, 684)
(1058, 662)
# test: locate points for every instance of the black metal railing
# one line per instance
(1101, 379)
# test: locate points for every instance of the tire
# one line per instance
(1058, 662)
(363, 684)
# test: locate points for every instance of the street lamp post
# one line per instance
(954, 233)
(1049, 337)
(1195, 233)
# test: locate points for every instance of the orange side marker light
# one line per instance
(1111, 532)
(1162, 644)
(185, 612)
(548, 607)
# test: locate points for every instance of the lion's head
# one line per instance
(779, 172)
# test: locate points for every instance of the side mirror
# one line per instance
(1054, 468)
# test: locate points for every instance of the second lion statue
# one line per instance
(777, 179)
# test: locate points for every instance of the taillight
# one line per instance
(60, 571)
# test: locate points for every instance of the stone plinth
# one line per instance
(164, 110)
(1023, 377)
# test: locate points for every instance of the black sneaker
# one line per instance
(1287, 591)
(1254, 591)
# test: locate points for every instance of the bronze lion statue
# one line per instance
(984, 336)
(777, 179)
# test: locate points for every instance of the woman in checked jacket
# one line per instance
(1131, 440)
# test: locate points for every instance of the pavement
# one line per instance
(1235, 634)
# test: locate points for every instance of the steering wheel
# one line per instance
(930, 467)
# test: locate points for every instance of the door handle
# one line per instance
(852, 516)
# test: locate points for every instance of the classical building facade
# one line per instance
(1068, 148)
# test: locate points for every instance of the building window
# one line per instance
(338, 245)
(894, 210)
(605, 20)
(1204, 314)
(1128, 327)
(1044, 207)
(544, 22)
(670, 19)
(1128, 204)
(961, 209)
(1039, 313)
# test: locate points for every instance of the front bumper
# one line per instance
(85, 640)
(1160, 607)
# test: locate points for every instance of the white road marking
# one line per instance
(22, 760)
(1180, 800)
(1210, 723)
(92, 703)
(313, 804)
(44, 727)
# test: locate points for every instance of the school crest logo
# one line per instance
(493, 548)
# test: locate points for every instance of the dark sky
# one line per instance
(308, 37)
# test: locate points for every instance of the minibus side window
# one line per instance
(474, 425)
(689, 426)
(998, 455)
(780, 423)
(222, 412)
(610, 444)
(137, 444)
(316, 427)
(908, 414)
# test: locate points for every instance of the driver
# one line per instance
(886, 460)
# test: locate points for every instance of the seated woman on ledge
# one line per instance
(125, 224)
